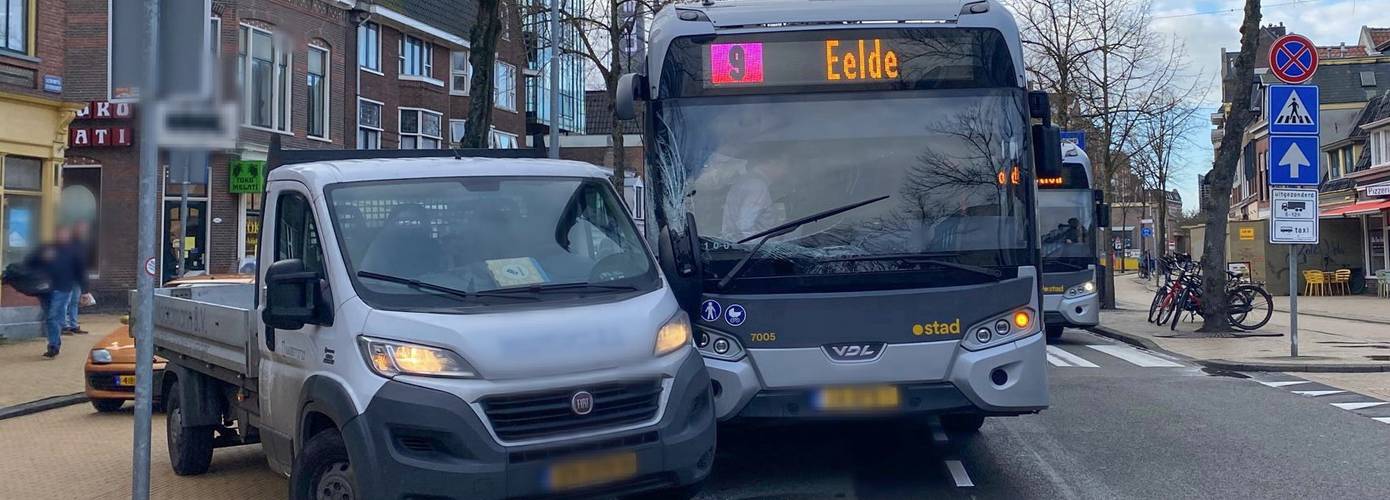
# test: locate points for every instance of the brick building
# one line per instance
(315, 73)
(34, 118)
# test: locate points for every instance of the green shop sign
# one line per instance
(246, 176)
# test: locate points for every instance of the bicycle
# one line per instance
(1249, 305)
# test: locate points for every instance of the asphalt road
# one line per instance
(1123, 424)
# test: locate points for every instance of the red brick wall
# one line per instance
(47, 52)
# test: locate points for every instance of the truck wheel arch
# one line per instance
(324, 404)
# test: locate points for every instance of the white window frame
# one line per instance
(363, 63)
(360, 127)
(504, 90)
(466, 72)
(426, 59)
(419, 134)
(495, 134)
(325, 107)
(463, 123)
(280, 122)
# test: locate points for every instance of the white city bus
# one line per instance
(1068, 213)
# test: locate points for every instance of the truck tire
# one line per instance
(323, 470)
(962, 423)
(190, 448)
(108, 405)
(1054, 332)
(686, 492)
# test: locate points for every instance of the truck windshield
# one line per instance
(1066, 223)
(954, 164)
(480, 234)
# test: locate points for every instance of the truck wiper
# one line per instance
(424, 285)
(561, 287)
(784, 229)
(918, 259)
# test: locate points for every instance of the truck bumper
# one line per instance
(947, 379)
(418, 442)
(1078, 312)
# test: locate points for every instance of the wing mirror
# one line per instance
(628, 92)
(295, 297)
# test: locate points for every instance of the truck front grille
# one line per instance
(543, 414)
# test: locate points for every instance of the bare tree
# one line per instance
(1057, 42)
(482, 57)
(1216, 206)
(1164, 135)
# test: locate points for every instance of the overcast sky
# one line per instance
(1207, 26)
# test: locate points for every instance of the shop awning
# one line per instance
(1362, 208)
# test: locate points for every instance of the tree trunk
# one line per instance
(1216, 206)
(483, 57)
(615, 71)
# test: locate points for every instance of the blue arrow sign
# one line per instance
(1292, 109)
(1293, 160)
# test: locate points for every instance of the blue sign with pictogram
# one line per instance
(1076, 137)
(1293, 59)
(1147, 232)
(1293, 160)
(1292, 109)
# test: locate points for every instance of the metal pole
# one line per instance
(1293, 302)
(183, 225)
(142, 312)
(555, 51)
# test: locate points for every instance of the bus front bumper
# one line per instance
(1079, 312)
(932, 378)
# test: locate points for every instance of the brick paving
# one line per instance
(28, 376)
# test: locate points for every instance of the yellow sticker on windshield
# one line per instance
(516, 272)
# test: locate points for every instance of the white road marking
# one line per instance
(1056, 361)
(1284, 384)
(958, 474)
(1383, 420)
(1317, 393)
(1134, 356)
(1358, 406)
(1070, 358)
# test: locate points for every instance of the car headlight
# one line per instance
(1086, 288)
(673, 335)
(101, 356)
(389, 358)
(1002, 329)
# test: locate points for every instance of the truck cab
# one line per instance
(443, 328)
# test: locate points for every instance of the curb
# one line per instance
(45, 404)
(1131, 339)
(1223, 364)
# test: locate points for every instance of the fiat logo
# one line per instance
(582, 403)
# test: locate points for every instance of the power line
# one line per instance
(1235, 9)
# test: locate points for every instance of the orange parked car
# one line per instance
(110, 370)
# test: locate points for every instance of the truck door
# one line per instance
(287, 356)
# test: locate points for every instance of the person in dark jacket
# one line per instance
(78, 251)
(56, 260)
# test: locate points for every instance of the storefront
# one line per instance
(33, 142)
(1370, 210)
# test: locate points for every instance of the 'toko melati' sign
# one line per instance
(103, 135)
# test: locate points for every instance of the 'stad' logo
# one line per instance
(937, 328)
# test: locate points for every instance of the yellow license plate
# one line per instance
(127, 380)
(592, 471)
(864, 398)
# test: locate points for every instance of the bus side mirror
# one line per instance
(1103, 215)
(628, 91)
(1047, 150)
(294, 296)
(679, 256)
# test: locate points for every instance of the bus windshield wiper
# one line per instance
(919, 259)
(1077, 267)
(424, 285)
(561, 287)
(784, 229)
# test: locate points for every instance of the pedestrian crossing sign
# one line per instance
(1293, 109)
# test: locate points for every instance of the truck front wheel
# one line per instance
(963, 423)
(322, 469)
(190, 448)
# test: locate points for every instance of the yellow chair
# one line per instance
(1341, 279)
(1314, 284)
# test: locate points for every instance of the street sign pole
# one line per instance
(142, 314)
(555, 50)
(1293, 301)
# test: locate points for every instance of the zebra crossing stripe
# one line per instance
(1069, 358)
(1315, 394)
(1135, 357)
(1383, 420)
(1358, 406)
(1284, 384)
(1056, 361)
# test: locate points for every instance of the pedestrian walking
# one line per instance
(77, 298)
(65, 273)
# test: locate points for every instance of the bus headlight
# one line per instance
(389, 358)
(673, 335)
(718, 345)
(1002, 329)
(1081, 290)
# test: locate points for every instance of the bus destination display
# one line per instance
(819, 62)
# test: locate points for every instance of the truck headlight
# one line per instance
(389, 358)
(101, 356)
(1002, 329)
(674, 334)
(1086, 288)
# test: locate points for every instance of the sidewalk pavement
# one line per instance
(25, 375)
(1336, 334)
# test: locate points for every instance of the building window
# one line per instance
(459, 73)
(369, 47)
(456, 130)
(420, 129)
(318, 92)
(14, 25)
(265, 69)
(502, 140)
(368, 124)
(505, 86)
(416, 57)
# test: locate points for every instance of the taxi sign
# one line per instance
(1293, 59)
(1293, 216)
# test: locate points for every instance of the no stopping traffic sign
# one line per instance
(1293, 59)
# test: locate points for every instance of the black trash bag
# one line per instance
(27, 280)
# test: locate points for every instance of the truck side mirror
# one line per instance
(627, 93)
(292, 296)
(1047, 151)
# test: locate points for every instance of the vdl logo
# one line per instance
(856, 352)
